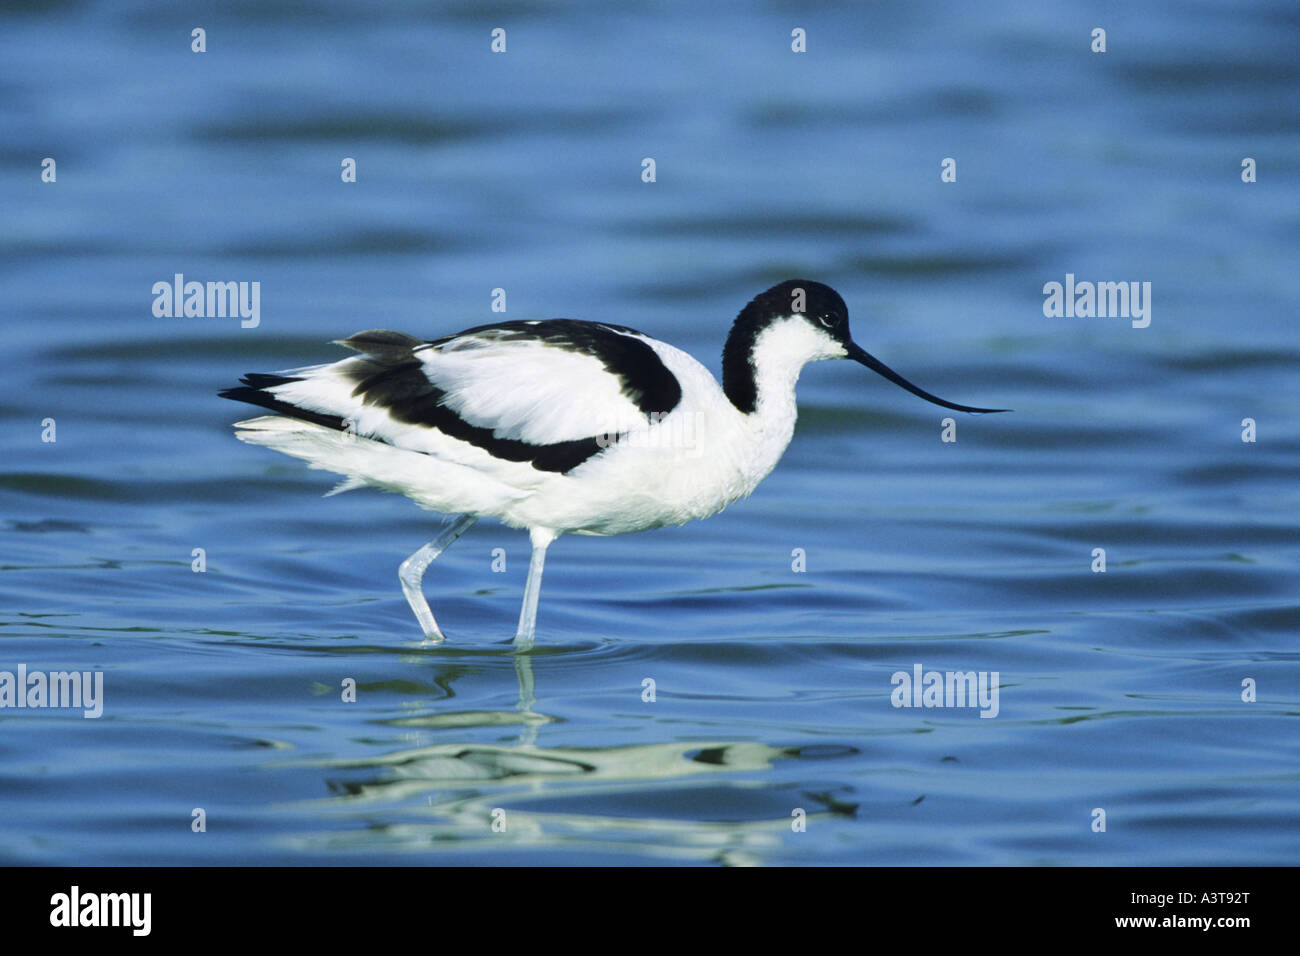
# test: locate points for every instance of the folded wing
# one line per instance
(550, 393)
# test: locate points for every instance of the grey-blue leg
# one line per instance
(541, 538)
(411, 573)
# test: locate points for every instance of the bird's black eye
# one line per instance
(826, 321)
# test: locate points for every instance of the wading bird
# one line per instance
(557, 426)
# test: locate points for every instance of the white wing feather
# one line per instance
(523, 389)
(529, 389)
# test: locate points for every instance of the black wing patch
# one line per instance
(253, 392)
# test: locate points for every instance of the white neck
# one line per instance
(778, 355)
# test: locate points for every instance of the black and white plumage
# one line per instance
(557, 426)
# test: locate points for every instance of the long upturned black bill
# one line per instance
(859, 354)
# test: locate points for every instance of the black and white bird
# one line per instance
(557, 426)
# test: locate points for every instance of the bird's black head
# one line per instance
(818, 303)
(820, 307)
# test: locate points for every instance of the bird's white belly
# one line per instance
(670, 474)
(632, 487)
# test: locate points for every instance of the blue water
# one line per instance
(1119, 690)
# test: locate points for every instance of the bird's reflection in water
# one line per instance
(692, 800)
